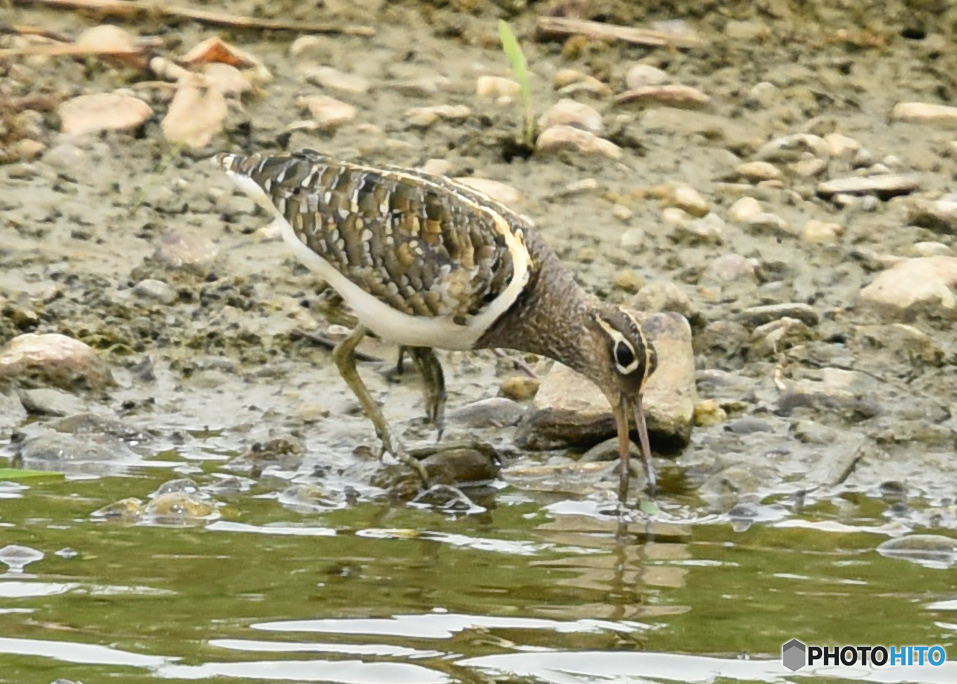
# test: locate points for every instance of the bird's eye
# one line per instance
(624, 356)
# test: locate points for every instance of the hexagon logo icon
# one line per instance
(794, 655)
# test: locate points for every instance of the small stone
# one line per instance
(589, 86)
(333, 79)
(53, 360)
(862, 159)
(564, 77)
(768, 223)
(913, 285)
(938, 215)
(180, 508)
(567, 112)
(102, 112)
(27, 149)
(941, 116)
(319, 48)
(883, 186)
(437, 167)
(328, 112)
(497, 190)
(757, 171)
(809, 167)
(690, 200)
(821, 232)
(632, 239)
(680, 96)
(60, 451)
(520, 387)
(128, 510)
(746, 31)
(457, 465)
(629, 281)
(106, 37)
(743, 209)
(642, 75)
(728, 268)
(791, 148)
(931, 248)
(426, 116)
(156, 290)
(50, 401)
(186, 250)
(622, 213)
(678, 218)
(708, 230)
(497, 88)
(708, 413)
(840, 145)
(763, 95)
(755, 316)
(664, 295)
(495, 412)
(558, 138)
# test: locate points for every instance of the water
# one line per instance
(533, 590)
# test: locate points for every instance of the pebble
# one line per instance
(437, 167)
(558, 138)
(931, 248)
(53, 360)
(180, 508)
(456, 465)
(791, 148)
(60, 449)
(102, 112)
(628, 280)
(632, 239)
(567, 112)
(709, 413)
(156, 290)
(743, 209)
(186, 250)
(333, 79)
(841, 145)
(757, 171)
(497, 190)
(942, 116)
(768, 223)
(494, 412)
(320, 48)
(708, 230)
(622, 213)
(426, 116)
(675, 217)
(759, 315)
(728, 268)
(680, 96)
(129, 510)
(664, 295)
(821, 232)
(50, 401)
(912, 285)
(883, 186)
(520, 387)
(642, 75)
(690, 200)
(328, 112)
(763, 95)
(497, 88)
(588, 85)
(938, 215)
(107, 38)
(809, 167)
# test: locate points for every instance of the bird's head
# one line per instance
(620, 364)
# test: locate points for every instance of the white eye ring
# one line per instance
(619, 341)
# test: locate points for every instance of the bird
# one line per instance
(427, 262)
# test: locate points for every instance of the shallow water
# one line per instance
(531, 590)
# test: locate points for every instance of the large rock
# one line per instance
(53, 360)
(915, 285)
(574, 412)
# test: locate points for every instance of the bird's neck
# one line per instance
(551, 315)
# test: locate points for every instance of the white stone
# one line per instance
(942, 116)
(328, 112)
(821, 232)
(567, 112)
(764, 95)
(687, 198)
(497, 87)
(743, 209)
(841, 145)
(559, 138)
(756, 171)
(922, 281)
(497, 190)
(426, 116)
(644, 75)
(674, 216)
(633, 238)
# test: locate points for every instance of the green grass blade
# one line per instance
(520, 66)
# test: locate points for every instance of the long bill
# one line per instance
(623, 412)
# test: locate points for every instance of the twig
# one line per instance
(132, 9)
(630, 34)
(328, 343)
(7, 29)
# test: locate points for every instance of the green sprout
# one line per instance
(520, 66)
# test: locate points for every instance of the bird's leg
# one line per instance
(344, 356)
(434, 385)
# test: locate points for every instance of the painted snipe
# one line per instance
(427, 262)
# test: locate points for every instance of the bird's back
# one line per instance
(442, 258)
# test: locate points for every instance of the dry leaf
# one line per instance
(217, 50)
(101, 112)
(196, 114)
